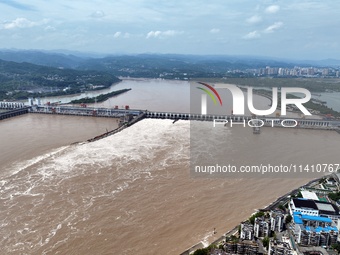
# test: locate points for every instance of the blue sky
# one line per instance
(285, 29)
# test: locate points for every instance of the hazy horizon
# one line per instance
(93, 54)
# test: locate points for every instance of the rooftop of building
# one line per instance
(313, 250)
(309, 195)
(276, 243)
(323, 207)
(322, 229)
(299, 218)
(304, 203)
(319, 229)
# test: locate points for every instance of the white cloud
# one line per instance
(121, 35)
(273, 27)
(160, 34)
(117, 34)
(50, 28)
(127, 35)
(272, 9)
(22, 23)
(254, 19)
(215, 30)
(256, 34)
(97, 14)
(153, 34)
(252, 35)
(170, 33)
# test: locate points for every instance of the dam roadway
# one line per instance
(18, 109)
(248, 120)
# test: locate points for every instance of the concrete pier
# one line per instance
(120, 128)
(11, 105)
(13, 113)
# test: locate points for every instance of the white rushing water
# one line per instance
(45, 189)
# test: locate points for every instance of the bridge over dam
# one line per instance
(127, 115)
(85, 111)
(218, 119)
(251, 121)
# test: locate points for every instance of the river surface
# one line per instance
(133, 193)
(332, 99)
(146, 94)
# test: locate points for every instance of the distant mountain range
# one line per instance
(165, 62)
(41, 58)
(27, 72)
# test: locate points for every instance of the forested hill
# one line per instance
(42, 58)
(17, 80)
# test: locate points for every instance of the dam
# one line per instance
(127, 115)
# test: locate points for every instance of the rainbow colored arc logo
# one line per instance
(209, 92)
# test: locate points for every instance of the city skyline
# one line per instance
(277, 29)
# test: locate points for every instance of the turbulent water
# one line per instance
(133, 193)
(31, 135)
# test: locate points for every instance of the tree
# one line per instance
(336, 246)
(231, 238)
(288, 219)
(299, 195)
(254, 216)
(203, 251)
(321, 180)
(265, 242)
(274, 236)
(334, 196)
